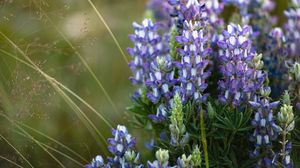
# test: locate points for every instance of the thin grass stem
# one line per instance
(81, 59)
(86, 121)
(33, 139)
(61, 85)
(18, 152)
(55, 150)
(10, 161)
(55, 141)
(109, 30)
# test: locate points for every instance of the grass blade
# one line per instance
(18, 152)
(81, 115)
(33, 139)
(109, 30)
(55, 150)
(55, 141)
(10, 161)
(62, 86)
(81, 59)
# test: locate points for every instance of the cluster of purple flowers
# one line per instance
(172, 65)
(266, 131)
(186, 10)
(292, 28)
(160, 9)
(147, 45)
(240, 82)
(194, 60)
(122, 147)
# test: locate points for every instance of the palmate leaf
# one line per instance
(236, 121)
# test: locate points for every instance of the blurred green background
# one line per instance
(27, 97)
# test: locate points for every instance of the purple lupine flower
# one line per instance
(240, 82)
(213, 9)
(161, 79)
(97, 162)
(275, 56)
(252, 8)
(292, 28)
(160, 10)
(192, 74)
(147, 46)
(266, 131)
(161, 114)
(162, 161)
(121, 142)
(122, 147)
(186, 10)
(257, 14)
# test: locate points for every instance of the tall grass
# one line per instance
(14, 54)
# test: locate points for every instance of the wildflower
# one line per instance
(162, 161)
(147, 46)
(97, 162)
(187, 10)
(292, 28)
(192, 74)
(294, 85)
(177, 128)
(240, 81)
(160, 10)
(122, 147)
(184, 161)
(266, 131)
(161, 114)
(161, 79)
(196, 157)
(286, 124)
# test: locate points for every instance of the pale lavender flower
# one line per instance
(292, 28)
(195, 52)
(122, 147)
(161, 79)
(160, 10)
(266, 131)
(186, 10)
(240, 81)
(147, 46)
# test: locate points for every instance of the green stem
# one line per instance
(203, 138)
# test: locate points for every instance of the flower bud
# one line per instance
(286, 98)
(265, 91)
(286, 115)
(130, 156)
(196, 157)
(162, 155)
(184, 162)
(295, 72)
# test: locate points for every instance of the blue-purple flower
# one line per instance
(147, 46)
(292, 28)
(186, 10)
(121, 147)
(160, 10)
(194, 60)
(240, 81)
(266, 130)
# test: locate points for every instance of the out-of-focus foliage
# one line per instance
(38, 27)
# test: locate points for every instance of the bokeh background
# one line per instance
(42, 30)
